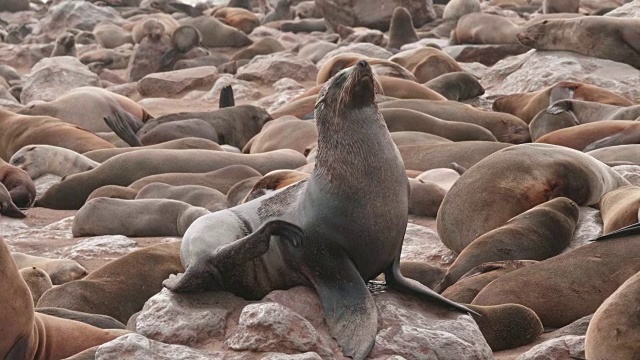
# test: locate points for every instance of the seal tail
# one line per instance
(121, 127)
(397, 281)
(633, 229)
(227, 98)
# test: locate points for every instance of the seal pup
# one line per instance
(481, 28)
(618, 39)
(30, 335)
(7, 207)
(523, 324)
(18, 183)
(300, 229)
(536, 234)
(614, 330)
(543, 172)
(37, 160)
(426, 63)
(37, 280)
(401, 30)
(65, 45)
(148, 56)
(456, 86)
(60, 271)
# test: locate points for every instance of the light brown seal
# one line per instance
(37, 160)
(621, 154)
(400, 119)
(179, 144)
(619, 38)
(194, 195)
(59, 270)
(465, 153)
(148, 56)
(536, 234)
(456, 86)
(425, 198)
(505, 127)
(121, 287)
(29, 335)
(480, 28)
(241, 19)
(408, 138)
(426, 63)
(18, 131)
(153, 24)
(340, 62)
(566, 287)
(37, 280)
(443, 177)
(523, 324)
(619, 208)
(456, 9)
(18, 183)
(216, 34)
(560, 6)
(111, 36)
(614, 330)
(544, 172)
(264, 46)
(283, 133)
(72, 192)
(99, 321)
(401, 30)
(273, 181)
(596, 135)
(527, 105)
(7, 207)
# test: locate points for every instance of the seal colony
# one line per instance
(456, 179)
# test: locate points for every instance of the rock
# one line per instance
(588, 228)
(564, 348)
(286, 84)
(285, 90)
(273, 67)
(135, 346)
(630, 10)
(421, 330)
(474, 68)
(305, 356)
(629, 172)
(241, 89)
(373, 14)
(423, 245)
(14, 5)
(536, 70)
(103, 247)
(193, 319)
(484, 54)
(273, 327)
(129, 90)
(52, 77)
(576, 328)
(24, 56)
(82, 15)
(366, 49)
(168, 84)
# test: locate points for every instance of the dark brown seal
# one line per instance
(18, 183)
(401, 30)
(456, 86)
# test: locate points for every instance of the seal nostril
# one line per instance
(363, 64)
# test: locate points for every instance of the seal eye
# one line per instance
(545, 22)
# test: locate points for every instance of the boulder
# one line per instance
(563, 348)
(241, 89)
(14, 5)
(273, 67)
(630, 10)
(52, 77)
(81, 15)
(373, 14)
(168, 84)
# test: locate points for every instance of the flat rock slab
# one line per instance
(171, 83)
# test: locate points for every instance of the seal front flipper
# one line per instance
(396, 281)
(633, 229)
(226, 97)
(630, 135)
(121, 127)
(205, 273)
(349, 309)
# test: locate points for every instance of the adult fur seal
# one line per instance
(527, 105)
(72, 192)
(37, 160)
(121, 287)
(536, 234)
(481, 28)
(543, 172)
(619, 208)
(618, 39)
(560, 6)
(65, 45)
(592, 136)
(465, 153)
(401, 30)
(18, 183)
(37, 280)
(300, 231)
(7, 207)
(456, 86)
(29, 335)
(613, 332)
(59, 270)
(189, 143)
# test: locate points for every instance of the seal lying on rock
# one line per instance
(329, 232)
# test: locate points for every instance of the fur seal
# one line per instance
(14, 5)
(308, 242)
(560, 6)
(618, 154)
(37, 280)
(72, 192)
(408, 138)
(99, 321)
(188, 143)
(18, 183)
(175, 130)
(592, 136)
(121, 287)
(400, 119)
(241, 19)
(342, 61)
(527, 105)
(156, 24)
(30, 335)
(469, 285)
(568, 286)
(148, 56)
(619, 208)
(525, 326)
(37, 160)
(59, 270)
(18, 131)
(87, 106)
(426, 63)
(425, 198)
(481, 28)
(282, 11)
(283, 133)
(216, 34)
(65, 45)
(618, 38)
(264, 46)
(111, 36)
(194, 195)
(505, 127)
(536, 234)
(613, 332)
(7, 207)
(240, 190)
(456, 86)
(456, 9)
(401, 30)
(544, 172)
(445, 178)
(135, 218)
(465, 153)
(273, 181)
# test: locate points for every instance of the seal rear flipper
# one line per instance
(121, 127)
(630, 135)
(349, 309)
(396, 281)
(201, 276)
(226, 97)
(633, 229)
(11, 210)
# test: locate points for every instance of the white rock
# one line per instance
(423, 244)
(101, 246)
(241, 89)
(588, 228)
(563, 348)
(630, 10)
(52, 77)
(273, 67)
(134, 346)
